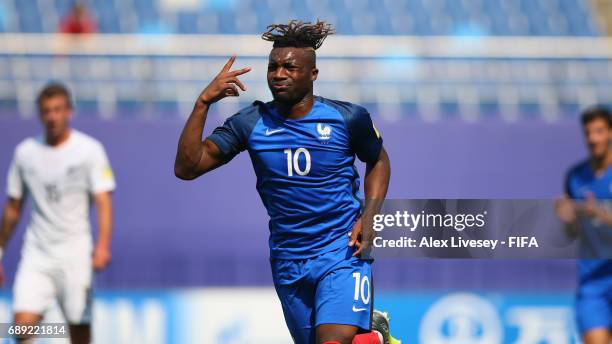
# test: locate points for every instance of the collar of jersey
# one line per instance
(272, 110)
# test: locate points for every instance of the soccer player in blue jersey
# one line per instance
(303, 150)
(585, 210)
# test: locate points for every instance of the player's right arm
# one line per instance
(11, 214)
(195, 157)
(10, 218)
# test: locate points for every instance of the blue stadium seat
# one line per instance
(350, 17)
(543, 17)
(187, 22)
(108, 21)
(29, 19)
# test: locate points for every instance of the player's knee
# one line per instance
(340, 334)
(597, 336)
(343, 341)
(338, 339)
(24, 318)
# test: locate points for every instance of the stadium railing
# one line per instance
(430, 78)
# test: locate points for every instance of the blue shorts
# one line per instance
(594, 305)
(333, 288)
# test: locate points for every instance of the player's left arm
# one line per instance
(16, 191)
(101, 186)
(367, 144)
(375, 186)
(104, 209)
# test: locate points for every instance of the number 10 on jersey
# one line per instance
(293, 159)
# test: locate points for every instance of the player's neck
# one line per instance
(296, 110)
(600, 165)
(55, 141)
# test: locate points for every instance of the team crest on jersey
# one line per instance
(324, 131)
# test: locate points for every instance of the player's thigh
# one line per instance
(34, 290)
(345, 295)
(75, 292)
(298, 309)
(296, 295)
(342, 334)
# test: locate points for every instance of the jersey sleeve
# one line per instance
(232, 137)
(15, 185)
(101, 177)
(365, 139)
(566, 184)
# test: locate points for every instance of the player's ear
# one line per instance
(313, 74)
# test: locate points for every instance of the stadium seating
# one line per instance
(352, 17)
(427, 88)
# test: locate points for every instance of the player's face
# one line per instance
(598, 136)
(291, 72)
(55, 114)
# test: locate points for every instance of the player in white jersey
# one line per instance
(62, 171)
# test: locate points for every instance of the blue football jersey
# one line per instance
(305, 170)
(596, 238)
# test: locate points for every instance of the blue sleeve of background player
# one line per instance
(233, 136)
(570, 177)
(365, 139)
(566, 185)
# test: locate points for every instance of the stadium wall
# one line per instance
(213, 231)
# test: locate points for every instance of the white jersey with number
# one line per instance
(60, 181)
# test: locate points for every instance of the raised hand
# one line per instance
(224, 84)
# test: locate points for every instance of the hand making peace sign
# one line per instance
(224, 84)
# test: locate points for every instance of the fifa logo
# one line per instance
(324, 131)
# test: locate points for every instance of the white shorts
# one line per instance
(40, 281)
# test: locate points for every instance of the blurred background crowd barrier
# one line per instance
(474, 99)
(438, 59)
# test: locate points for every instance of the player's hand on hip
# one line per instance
(101, 258)
(225, 84)
(362, 241)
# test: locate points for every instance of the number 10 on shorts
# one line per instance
(362, 288)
